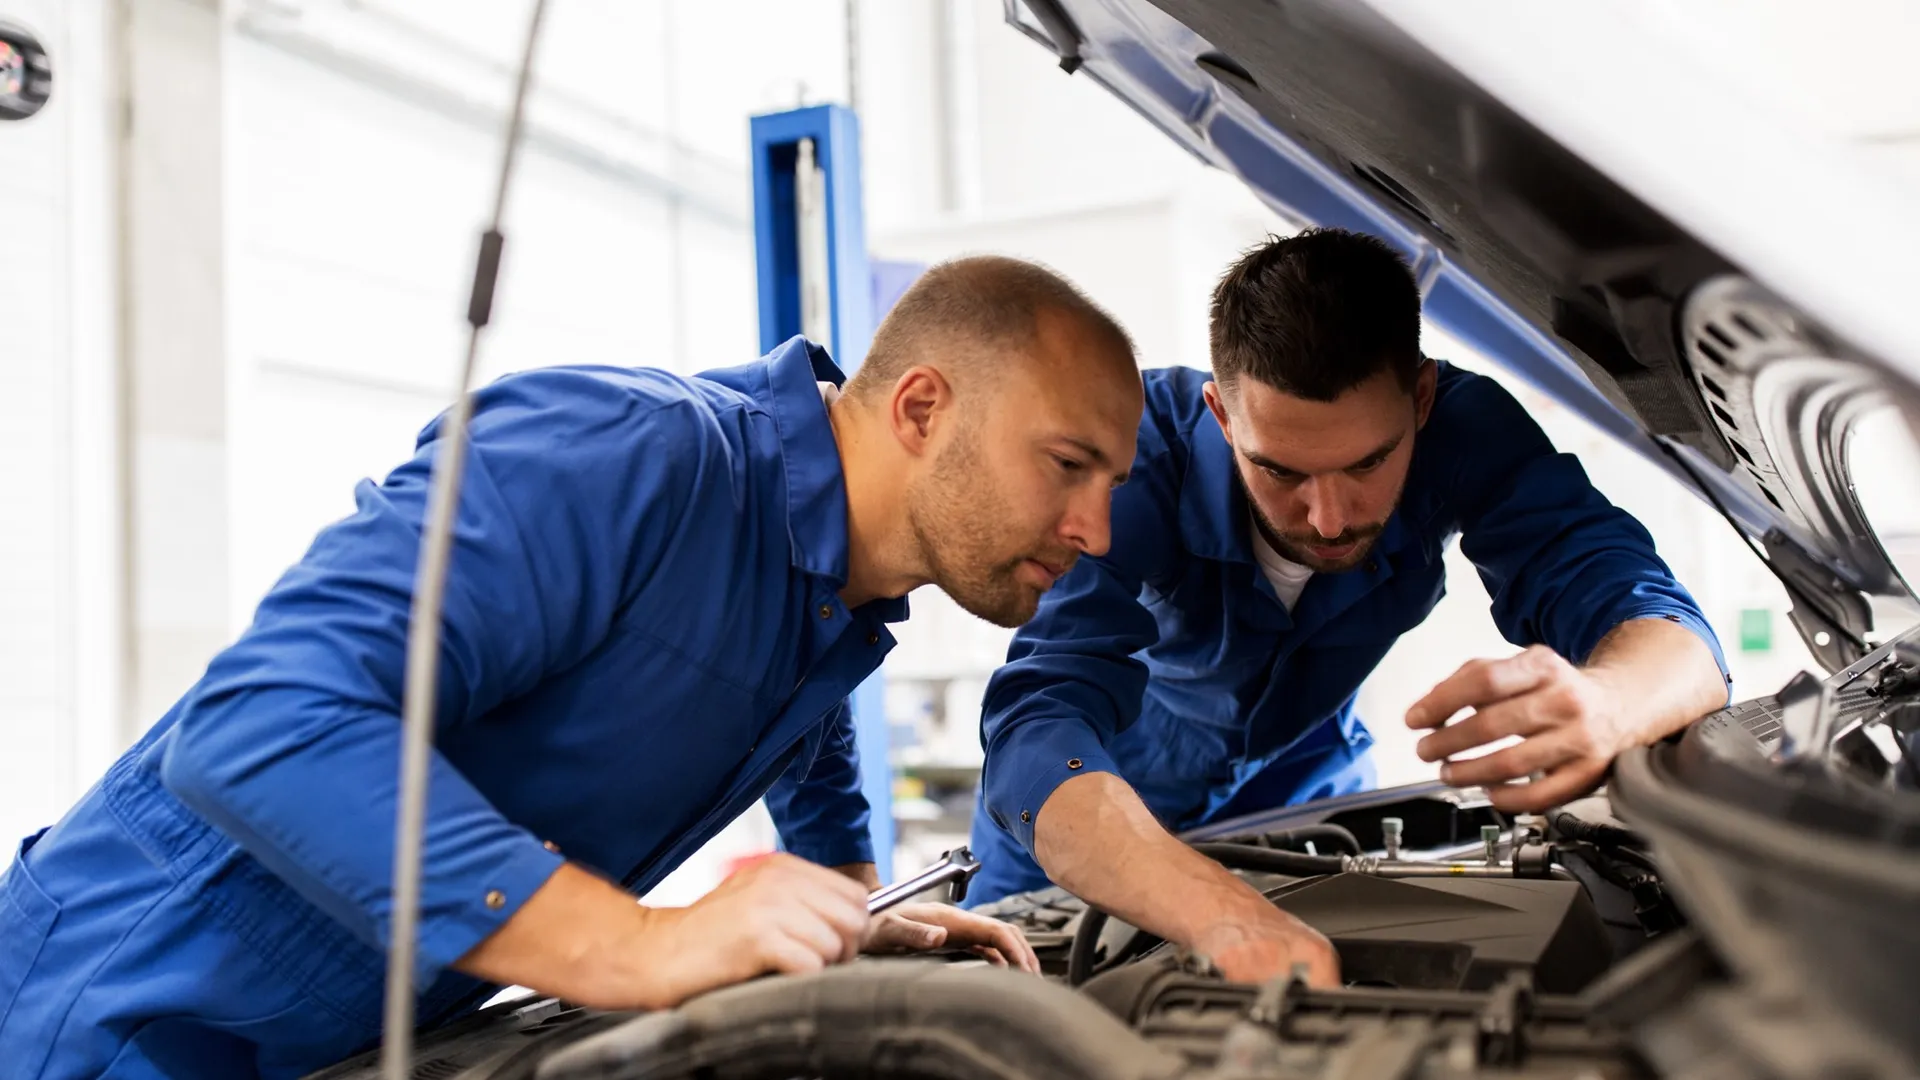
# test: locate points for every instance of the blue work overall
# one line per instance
(642, 637)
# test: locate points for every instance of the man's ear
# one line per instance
(1217, 405)
(921, 399)
(1424, 386)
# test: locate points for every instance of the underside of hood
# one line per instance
(1530, 252)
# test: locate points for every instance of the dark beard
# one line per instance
(1363, 535)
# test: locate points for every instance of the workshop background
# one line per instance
(236, 252)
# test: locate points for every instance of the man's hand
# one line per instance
(1098, 840)
(779, 915)
(920, 927)
(1645, 680)
(1571, 724)
(1267, 945)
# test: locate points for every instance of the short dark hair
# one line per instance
(1316, 314)
(988, 301)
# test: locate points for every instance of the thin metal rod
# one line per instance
(853, 54)
(423, 635)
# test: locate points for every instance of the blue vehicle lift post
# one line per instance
(810, 250)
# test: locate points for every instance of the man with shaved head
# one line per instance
(663, 590)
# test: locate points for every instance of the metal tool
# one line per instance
(953, 870)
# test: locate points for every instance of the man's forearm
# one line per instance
(572, 938)
(1098, 840)
(1665, 669)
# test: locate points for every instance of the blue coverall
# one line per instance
(1171, 662)
(642, 638)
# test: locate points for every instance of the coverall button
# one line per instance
(551, 846)
(1073, 763)
(1025, 816)
(496, 899)
(873, 639)
(826, 611)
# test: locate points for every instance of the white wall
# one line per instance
(60, 618)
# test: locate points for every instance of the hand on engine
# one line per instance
(1570, 723)
(779, 915)
(920, 927)
(1266, 943)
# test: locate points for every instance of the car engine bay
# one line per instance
(1735, 905)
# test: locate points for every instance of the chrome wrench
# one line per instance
(954, 869)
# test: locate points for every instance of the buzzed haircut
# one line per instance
(980, 303)
(1316, 314)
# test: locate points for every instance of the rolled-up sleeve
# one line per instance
(818, 807)
(291, 743)
(1071, 681)
(1564, 565)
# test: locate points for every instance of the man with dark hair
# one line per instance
(1283, 525)
(663, 589)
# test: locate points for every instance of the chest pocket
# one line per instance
(27, 917)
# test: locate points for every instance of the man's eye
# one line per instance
(1284, 476)
(1368, 466)
(1068, 464)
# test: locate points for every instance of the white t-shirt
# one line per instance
(1287, 577)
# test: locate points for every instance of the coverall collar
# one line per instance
(816, 483)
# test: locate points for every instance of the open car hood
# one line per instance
(1607, 235)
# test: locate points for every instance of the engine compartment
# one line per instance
(1465, 963)
(1746, 915)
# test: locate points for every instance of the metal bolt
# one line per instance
(1390, 830)
(1490, 836)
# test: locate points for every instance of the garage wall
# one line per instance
(59, 552)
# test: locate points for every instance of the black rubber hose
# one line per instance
(892, 1019)
(1325, 833)
(1086, 938)
(1248, 857)
(1606, 836)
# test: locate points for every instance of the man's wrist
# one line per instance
(1623, 729)
(630, 974)
(865, 873)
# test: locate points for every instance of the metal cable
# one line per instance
(423, 633)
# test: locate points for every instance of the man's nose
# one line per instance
(1327, 509)
(1088, 523)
